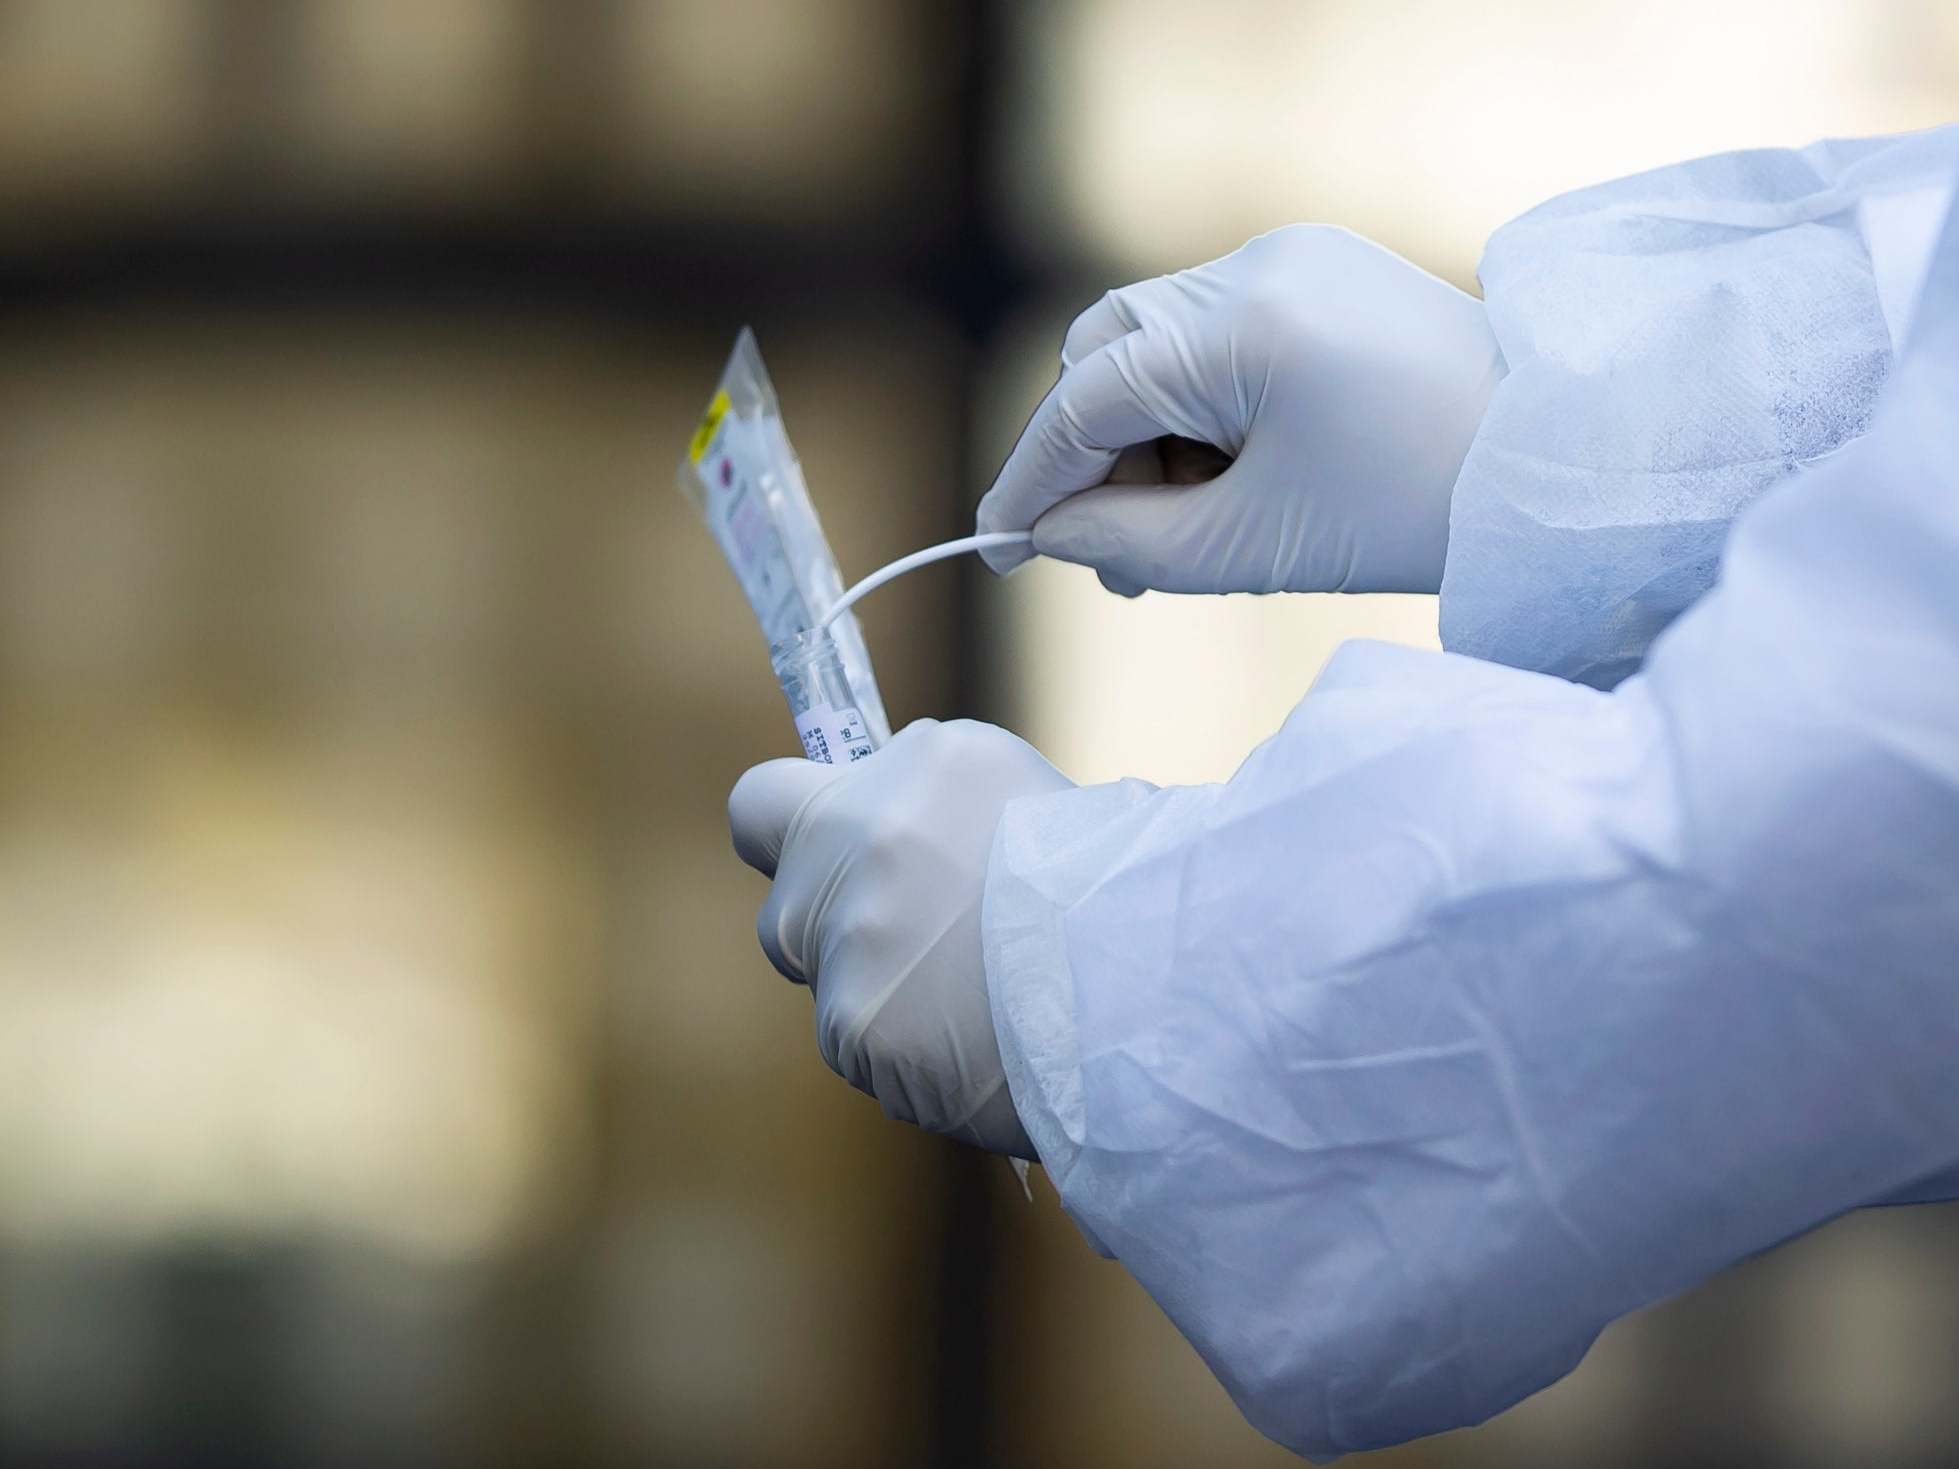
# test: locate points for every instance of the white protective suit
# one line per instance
(1481, 1007)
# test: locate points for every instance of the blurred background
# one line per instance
(388, 1073)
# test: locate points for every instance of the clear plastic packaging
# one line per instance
(747, 483)
(829, 722)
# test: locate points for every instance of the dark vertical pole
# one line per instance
(980, 280)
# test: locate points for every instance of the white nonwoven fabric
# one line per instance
(1481, 1007)
(1678, 342)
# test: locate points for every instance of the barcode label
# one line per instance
(833, 736)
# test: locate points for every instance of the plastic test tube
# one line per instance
(810, 671)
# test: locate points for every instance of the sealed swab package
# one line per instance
(746, 481)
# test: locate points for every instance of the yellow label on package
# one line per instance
(710, 421)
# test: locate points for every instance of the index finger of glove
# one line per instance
(765, 800)
(1118, 313)
(1100, 407)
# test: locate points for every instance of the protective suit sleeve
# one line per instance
(1678, 342)
(1479, 1007)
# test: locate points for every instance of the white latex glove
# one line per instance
(1344, 383)
(879, 869)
